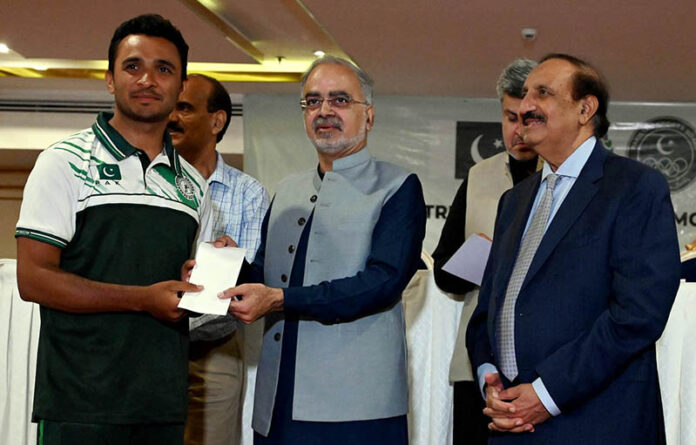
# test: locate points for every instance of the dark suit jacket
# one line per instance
(596, 298)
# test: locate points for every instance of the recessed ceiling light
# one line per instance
(40, 68)
(319, 53)
(4, 49)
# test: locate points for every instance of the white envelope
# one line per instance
(216, 269)
(469, 261)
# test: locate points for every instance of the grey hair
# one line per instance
(366, 82)
(512, 78)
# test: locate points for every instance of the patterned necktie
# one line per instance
(530, 243)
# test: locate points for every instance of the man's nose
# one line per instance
(526, 105)
(147, 78)
(326, 108)
(174, 116)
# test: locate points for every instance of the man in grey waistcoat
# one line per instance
(339, 245)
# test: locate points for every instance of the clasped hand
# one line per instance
(513, 410)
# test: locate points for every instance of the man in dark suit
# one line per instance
(581, 277)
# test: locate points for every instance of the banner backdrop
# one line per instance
(440, 138)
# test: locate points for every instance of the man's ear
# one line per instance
(109, 77)
(219, 120)
(370, 117)
(588, 108)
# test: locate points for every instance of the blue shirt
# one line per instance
(568, 173)
(239, 203)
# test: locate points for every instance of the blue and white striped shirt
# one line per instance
(239, 203)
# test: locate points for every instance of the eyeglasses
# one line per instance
(338, 102)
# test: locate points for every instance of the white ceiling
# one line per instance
(645, 49)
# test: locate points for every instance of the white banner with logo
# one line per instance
(440, 138)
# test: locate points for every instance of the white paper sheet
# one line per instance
(216, 269)
(469, 261)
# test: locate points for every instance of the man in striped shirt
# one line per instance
(239, 203)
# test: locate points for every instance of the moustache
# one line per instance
(148, 91)
(172, 126)
(532, 115)
(332, 121)
(517, 140)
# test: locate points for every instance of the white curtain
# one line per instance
(19, 342)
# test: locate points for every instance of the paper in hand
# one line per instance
(216, 269)
(469, 261)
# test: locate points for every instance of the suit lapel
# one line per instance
(578, 198)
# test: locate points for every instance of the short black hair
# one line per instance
(219, 99)
(153, 25)
(588, 82)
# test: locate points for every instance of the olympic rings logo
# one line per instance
(668, 167)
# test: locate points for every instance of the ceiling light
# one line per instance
(40, 68)
(319, 53)
(4, 49)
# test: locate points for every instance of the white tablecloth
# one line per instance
(432, 320)
(676, 363)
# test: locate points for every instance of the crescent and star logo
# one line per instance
(185, 187)
(475, 142)
(475, 153)
(667, 144)
(110, 172)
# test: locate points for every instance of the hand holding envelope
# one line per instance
(216, 269)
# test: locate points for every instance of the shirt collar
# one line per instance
(572, 166)
(351, 160)
(119, 147)
(218, 174)
(342, 164)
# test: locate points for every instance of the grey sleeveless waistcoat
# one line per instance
(350, 370)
